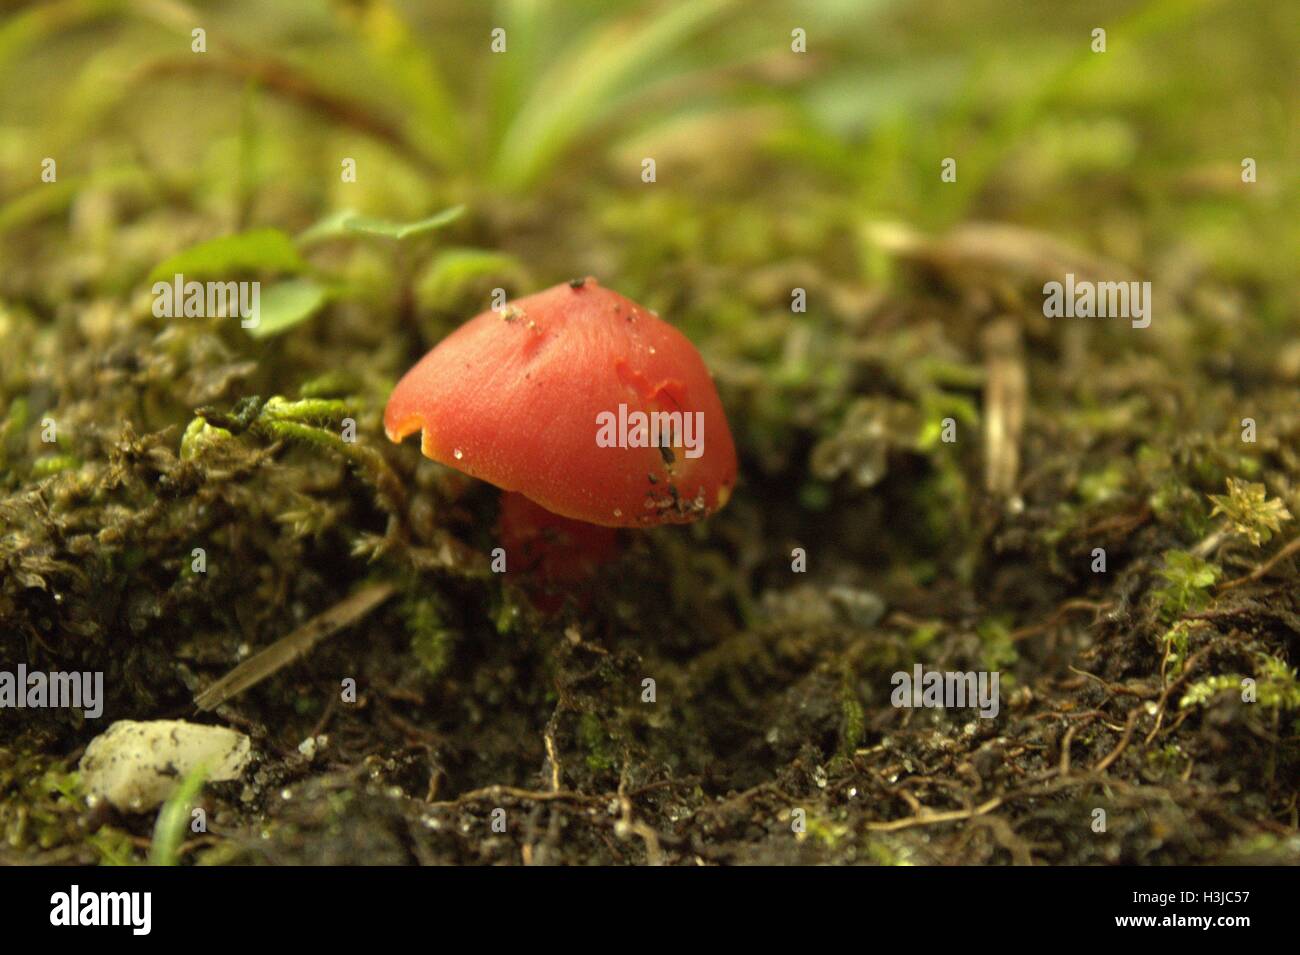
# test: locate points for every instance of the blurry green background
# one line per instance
(763, 155)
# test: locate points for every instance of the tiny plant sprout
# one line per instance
(584, 403)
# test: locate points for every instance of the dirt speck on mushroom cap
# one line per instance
(520, 401)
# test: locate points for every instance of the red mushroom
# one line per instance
(579, 399)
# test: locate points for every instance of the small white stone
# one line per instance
(137, 765)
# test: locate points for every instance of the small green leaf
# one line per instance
(285, 304)
(262, 250)
(352, 223)
(1188, 579)
(199, 435)
(454, 270)
(174, 818)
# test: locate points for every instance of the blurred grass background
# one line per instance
(761, 153)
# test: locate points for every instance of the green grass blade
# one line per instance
(590, 76)
(173, 819)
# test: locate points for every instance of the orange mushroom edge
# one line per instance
(579, 399)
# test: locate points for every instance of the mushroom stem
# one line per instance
(555, 554)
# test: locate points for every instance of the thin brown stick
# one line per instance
(1065, 747)
(1058, 615)
(1005, 394)
(289, 648)
(1188, 667)
(931, 818)
(495, 792)
(1262, 570)
(1124, 740)
(287, 83)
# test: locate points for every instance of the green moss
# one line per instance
(1098, 487)
(337, 383)
(200, 435)
(112, 846)
(1168, 760)
(852, 719)
(53, 464)
(1175, 640)
(597, 743)
(1187, 582)
(1275, 686)
(1250, 511)
(826, 831)
(887, 853)
(999, 649)
(431, 641)
(923, 636)
(40, 802)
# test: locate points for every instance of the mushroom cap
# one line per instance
(518, 396)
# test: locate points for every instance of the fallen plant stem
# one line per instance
(1122, 745)
(1262, 570)
(931, 818)
(1164, 697)
(288, 84)
(296, 644)
(1005, 394)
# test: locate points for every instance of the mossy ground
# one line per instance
(1121, 690)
